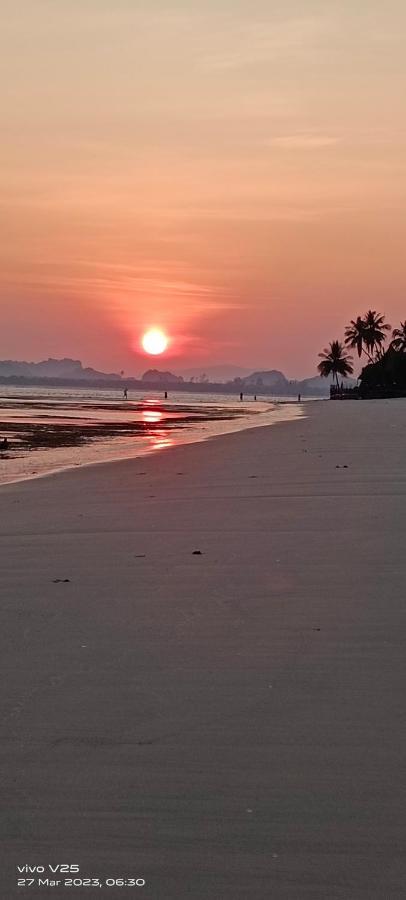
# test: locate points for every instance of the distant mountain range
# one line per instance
(68, 371)
(271, 382)
(277, 383)
(52, 368)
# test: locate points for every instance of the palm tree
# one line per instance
(356, 336)
(399, 338)
(367, 334)
(375, 332)
(335, 362)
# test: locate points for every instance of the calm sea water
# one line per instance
(182, 418)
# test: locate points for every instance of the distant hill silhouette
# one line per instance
(154, 376)
(53, 368)
(271, 379)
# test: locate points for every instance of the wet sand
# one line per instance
(36, 430)
(204, 665)
(51, 434)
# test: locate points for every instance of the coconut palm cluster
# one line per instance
(367, 335)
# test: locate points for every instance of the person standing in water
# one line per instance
(125, 394)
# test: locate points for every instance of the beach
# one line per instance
(52, 429)
(204, 662)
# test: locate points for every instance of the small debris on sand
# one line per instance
(197, 553)
(61, 581)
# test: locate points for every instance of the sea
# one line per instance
(52, 429)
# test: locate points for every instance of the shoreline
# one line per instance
(204, 657)
(188, 434)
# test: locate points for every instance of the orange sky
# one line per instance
(233, 172)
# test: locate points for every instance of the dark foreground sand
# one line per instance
(227, 725)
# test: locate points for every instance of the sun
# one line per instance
(154, 341)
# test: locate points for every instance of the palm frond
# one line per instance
(398, 341)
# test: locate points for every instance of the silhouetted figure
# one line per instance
(4, 444)
(125, 394)
(299, 397)
(255, 396)
(241, 396)
(166, 395)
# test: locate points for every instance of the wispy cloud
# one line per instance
(264, 41)
(303, 141)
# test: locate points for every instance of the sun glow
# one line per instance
(154, 341)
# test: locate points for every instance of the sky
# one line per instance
(232, 172)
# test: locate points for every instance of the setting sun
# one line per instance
(154, 341)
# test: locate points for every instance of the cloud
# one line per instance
(303, 141)
(261, 42)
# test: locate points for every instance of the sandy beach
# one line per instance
(204, 665)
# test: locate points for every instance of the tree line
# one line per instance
(367, 335)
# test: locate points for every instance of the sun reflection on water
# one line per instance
(151, 416)
(161, 440)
